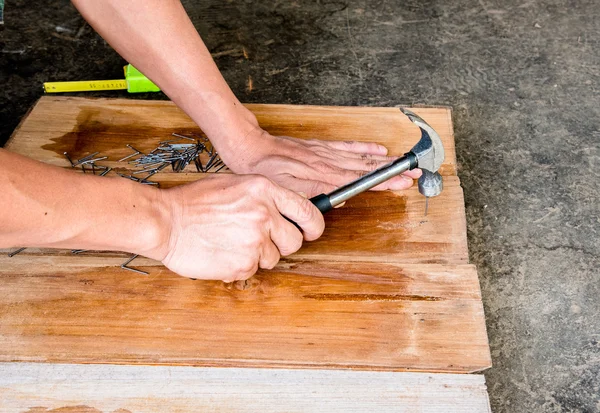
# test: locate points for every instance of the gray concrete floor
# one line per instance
(523, 78)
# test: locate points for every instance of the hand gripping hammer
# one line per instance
(427, 154)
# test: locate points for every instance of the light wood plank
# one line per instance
(301, 314)
(355, 299)
(64, 388)
(81, 126)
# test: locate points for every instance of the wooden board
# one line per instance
(385, 288)
(35, 388)
(392, 224)
(344, 315)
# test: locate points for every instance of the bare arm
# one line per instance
(158, 38)
(45, 206)
(222, 227)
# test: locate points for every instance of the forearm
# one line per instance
(47, 206)
(158, 38)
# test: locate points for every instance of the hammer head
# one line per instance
(429, 150)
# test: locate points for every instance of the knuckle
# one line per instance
(313, 143)
(246, 269)
(258, 184)
(263, 217)
(270, 264)
(324, 166)
(371, 164)
(254, 239)
(294, 245)
(316, 188)
(306, 208)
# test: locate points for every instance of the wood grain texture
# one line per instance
(301, 314)
(32, 387)
(82, 125)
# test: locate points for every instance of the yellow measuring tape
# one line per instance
(85, 86)
(134, 82)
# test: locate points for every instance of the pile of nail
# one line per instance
(177, 155)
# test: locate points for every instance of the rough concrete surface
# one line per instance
(523, 78)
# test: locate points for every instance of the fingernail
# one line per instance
(383, 149)
(407, 178)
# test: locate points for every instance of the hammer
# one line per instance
(427, 154)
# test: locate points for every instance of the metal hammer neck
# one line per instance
(372, 179)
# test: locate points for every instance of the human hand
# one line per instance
(313, 166)
(226, 226)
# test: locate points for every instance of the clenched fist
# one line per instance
(225, 227)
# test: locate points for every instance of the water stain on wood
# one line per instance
(107, 131)
(358, 225)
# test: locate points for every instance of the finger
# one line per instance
(358, 147)
(300, 210)
(397, 183)
(269, 256)
(307, 188)
(285, 235)
(414, 174)
(366, 163)
(240, 267)
(339, 177)
(325, 151)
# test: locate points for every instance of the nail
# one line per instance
(134, 270)
(183, 137)
(210, 162)
(69, 159)
(86, 158)
(125, 267)
(133, 257)
(133, 149)
(12, 254)
(129, 156)
(91, 161)
(223, 166)
(145, 171)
